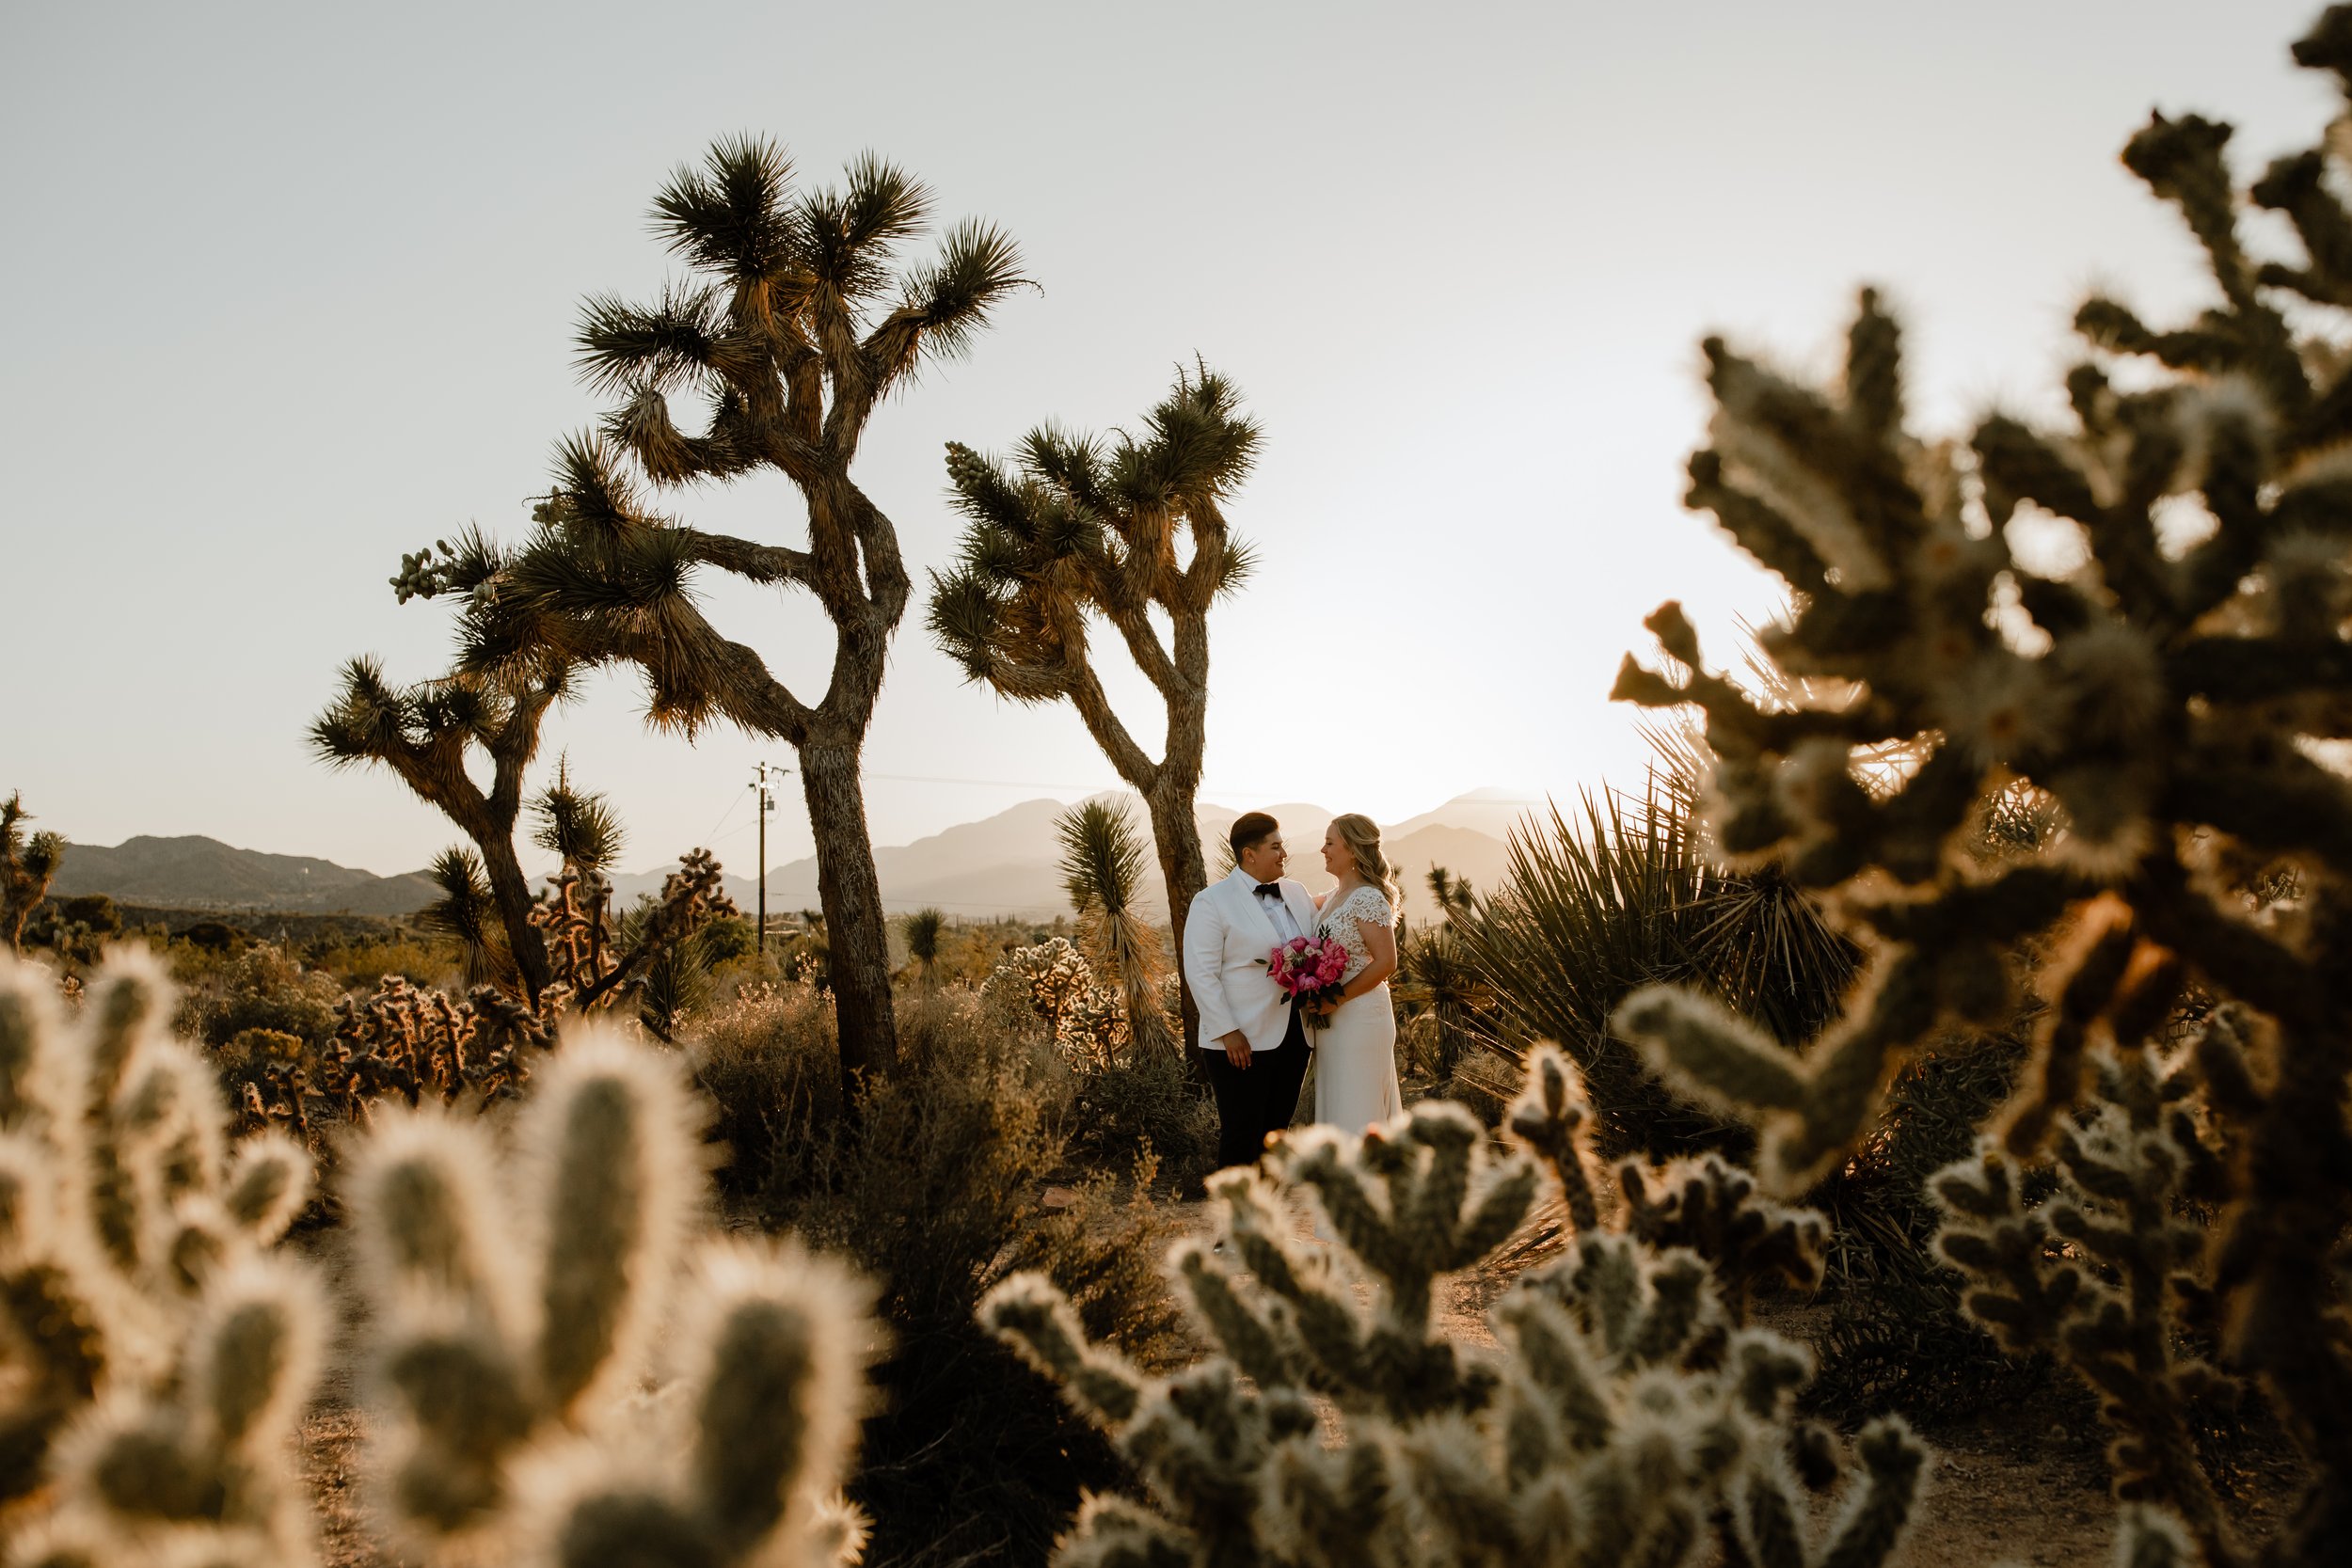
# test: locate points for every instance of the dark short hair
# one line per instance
(1251, 829)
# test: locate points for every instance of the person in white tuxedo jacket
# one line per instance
(1255, 1040)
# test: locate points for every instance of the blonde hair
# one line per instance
(1361, 836)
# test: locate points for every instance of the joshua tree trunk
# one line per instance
(1176, 836)
(512, 891)
(795, 329)
(851, 895)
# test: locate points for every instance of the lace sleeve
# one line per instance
(1369, 906)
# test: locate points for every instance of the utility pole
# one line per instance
(767, 805)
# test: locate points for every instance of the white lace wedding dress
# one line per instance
(1356, 1051)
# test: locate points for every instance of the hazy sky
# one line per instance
(288, 291)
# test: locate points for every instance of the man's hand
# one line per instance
(1236, 1048)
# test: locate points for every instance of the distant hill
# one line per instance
(197, 873)
(1009, 863)
(1002, 865)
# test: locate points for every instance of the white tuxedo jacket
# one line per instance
(1227, 937)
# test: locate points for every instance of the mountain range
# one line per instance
(1002, 865)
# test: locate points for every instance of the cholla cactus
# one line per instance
(401, 1044)
(2172, 697)
(1622, 1420)
(1052, 977)
(520, 1297)
(1715, 1208)
(2096, 1272)
(153, 1356)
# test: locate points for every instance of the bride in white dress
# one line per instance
(1355, 1044)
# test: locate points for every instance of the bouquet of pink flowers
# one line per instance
(1308, 969)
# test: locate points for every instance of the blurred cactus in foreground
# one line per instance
(521, 1298)
(154, 1353)
(1623, 1419)
(2182, 698)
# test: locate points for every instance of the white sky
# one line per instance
(287, 291)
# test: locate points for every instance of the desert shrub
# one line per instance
(154, 1352)
(94, 911)
(212, 936)
(768, 1063)
(1151, 1102)
(265, 987)
(2170, 699)
(935, 1189)
(415, 957)
(398, 1045)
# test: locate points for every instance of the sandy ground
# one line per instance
(2021, 1485)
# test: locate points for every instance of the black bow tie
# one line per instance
(1267, 890)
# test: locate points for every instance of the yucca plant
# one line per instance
(27, 864)
(467, 913)
(789, 327)
(1101, 867)
(1080, 532)
(1446, 999)
(925, 932)
(1591, 911)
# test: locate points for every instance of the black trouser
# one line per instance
(1258, 1099)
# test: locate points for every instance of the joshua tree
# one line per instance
(790, 330)
(1102, 864)
(1084, 530)
(26, 865)
(426, 733)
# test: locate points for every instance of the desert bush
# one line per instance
(265, 987)
(1151, 1102)
(521, 1291)
(2170, 698)
(400, 1045)
(153, 1352)
(939, 1198)
(935, 1188)
(768, 1063)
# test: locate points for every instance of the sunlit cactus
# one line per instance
(155, 1354)
(2182, 700)
(1622, 1420)
(523, 1292)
